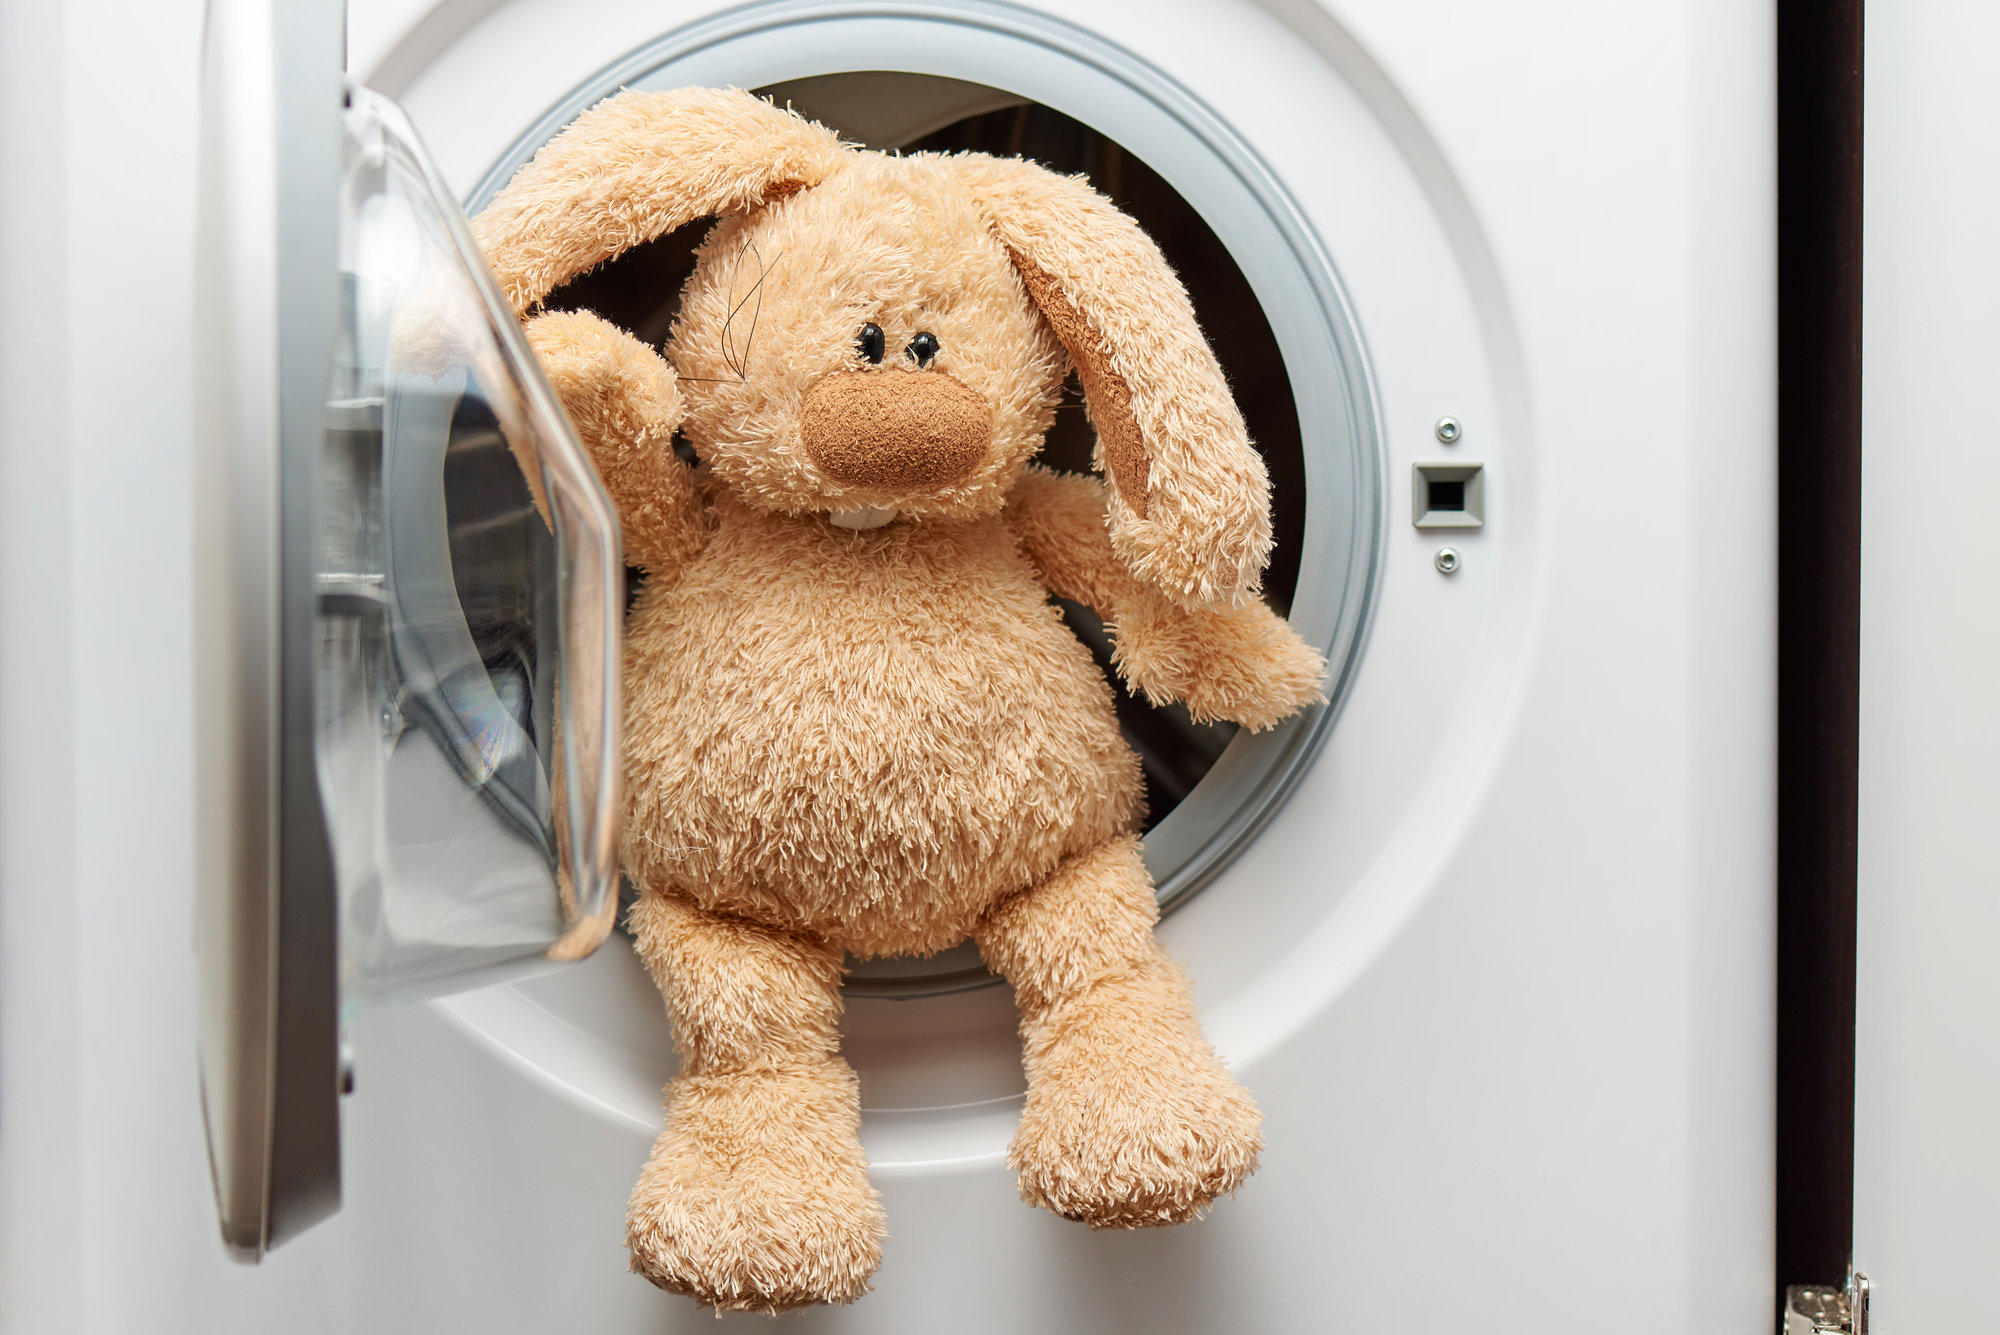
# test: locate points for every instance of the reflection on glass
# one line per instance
(465, 552)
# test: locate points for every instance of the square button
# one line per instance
(1448, 495)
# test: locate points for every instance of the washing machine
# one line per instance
(1484, 934)
(1488, 935)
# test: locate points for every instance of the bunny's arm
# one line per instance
(1241, 663)
(622, 398)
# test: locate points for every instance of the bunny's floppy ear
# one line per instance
(636, 166)
(1192, 508)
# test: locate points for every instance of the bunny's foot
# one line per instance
(1131, 1120)
(756, 1197)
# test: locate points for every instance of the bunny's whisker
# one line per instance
(757, 312)
(728, 344)
(741, 364)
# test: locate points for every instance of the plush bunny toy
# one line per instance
(856, 722)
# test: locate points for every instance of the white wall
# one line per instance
(106, 1221)
(1927, 1228)
(38, 1023)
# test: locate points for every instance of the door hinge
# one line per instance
(1821, 1309)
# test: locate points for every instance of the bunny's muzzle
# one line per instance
(895, 431)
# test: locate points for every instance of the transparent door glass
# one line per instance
(470, 602)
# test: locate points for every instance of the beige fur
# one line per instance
(883, 741)
(756, 1195)
(1195, 520)
(1131, 1120)
(637, 166)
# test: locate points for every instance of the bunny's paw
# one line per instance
(1244, 664)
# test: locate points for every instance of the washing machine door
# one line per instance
(410, 595)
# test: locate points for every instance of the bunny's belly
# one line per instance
(868, 736)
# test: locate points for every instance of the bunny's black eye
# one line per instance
(870, 342)
(922, 348)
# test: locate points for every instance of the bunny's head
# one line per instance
(866, 333)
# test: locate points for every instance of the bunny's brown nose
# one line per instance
(895, 431)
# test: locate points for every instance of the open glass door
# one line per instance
(411, 594)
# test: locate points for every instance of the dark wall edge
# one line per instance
(1819, 44)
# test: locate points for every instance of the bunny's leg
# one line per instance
(1131, 1120)
(756, 1196)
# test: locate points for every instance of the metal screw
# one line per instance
(1446, 561)
(1448, 430)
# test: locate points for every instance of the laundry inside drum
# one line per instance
(639, 291)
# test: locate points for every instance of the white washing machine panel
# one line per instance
(1498, 968)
